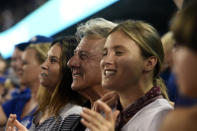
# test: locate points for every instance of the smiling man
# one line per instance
(85, 64)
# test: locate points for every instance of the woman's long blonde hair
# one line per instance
(148, 39)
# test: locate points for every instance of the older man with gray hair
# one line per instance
(85, 64)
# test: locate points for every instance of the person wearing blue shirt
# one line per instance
(25, 103)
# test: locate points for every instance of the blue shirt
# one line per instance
(174, 94)
(16, 105)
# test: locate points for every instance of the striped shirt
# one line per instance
(68, 115)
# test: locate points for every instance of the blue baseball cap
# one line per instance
(22, 46)
(39, 39)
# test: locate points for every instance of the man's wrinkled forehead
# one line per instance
(91, 44)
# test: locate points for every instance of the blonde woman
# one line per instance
(131, 63)
(32, 58)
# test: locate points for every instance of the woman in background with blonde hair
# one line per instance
(32, 58)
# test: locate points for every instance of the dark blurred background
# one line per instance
(155, 12)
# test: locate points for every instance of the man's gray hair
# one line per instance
(97, 26)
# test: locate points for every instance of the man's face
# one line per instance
(85, 63)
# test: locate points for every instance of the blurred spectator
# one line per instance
(16, 61)
(25, 104)
(168, 43)
(2, 66)
(170, 79)
(24, 94)
(2, 89)
(184, 27)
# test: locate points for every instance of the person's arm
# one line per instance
(96, 122)
(2, 116)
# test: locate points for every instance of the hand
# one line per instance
(13, 123)
(96, 122)
(110, 98)
(10, 122)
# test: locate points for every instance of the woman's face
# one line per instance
(185, 68)
(122, 63)
(30, 68)
(50, 74)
